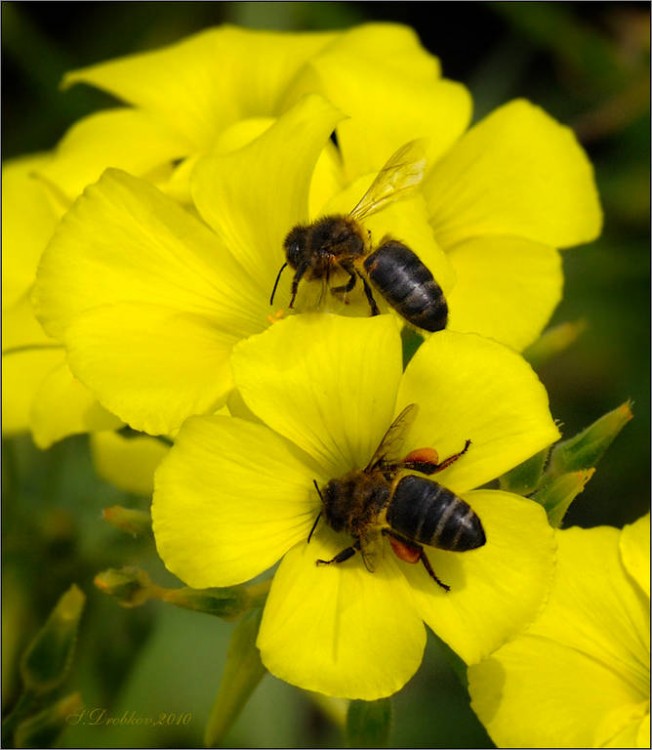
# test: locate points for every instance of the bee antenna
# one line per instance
(278, 277)
(314, 526)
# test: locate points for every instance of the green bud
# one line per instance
(45, 663)
(584, 450)
(525, 478)
(43, 729)
(557, 495)
(369, 723)
(242, 673)
(227, 603)
(134, 522)
(130, 586)
(553, 342)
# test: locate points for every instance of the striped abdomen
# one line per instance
(407, 285)
(425, 512)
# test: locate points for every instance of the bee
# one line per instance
(339, 242)
(410, 510)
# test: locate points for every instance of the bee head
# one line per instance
(296, 244)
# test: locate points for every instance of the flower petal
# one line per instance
(129, 462)
(507, 288)
(518, 172)
(185, 84)
(124, 241)
(124, 138)
(230, 499)
(325, 382)
(471, 388)
(580, 677)
(635, 551)
(429, 107)
(62, 406)
(269, 178)
(28, 220)
(538, 693)
(496, 590)
(595, 609)
(152, 366)
(340, 630)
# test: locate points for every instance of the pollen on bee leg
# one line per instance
(422, 456)
(406, 552)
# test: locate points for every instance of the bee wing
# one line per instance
(389, 449)
(403, 172)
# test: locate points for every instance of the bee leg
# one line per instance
(411, 552)
(451, 459)
(345, 554)
(295, 282)
(369, 294)
(348, 287)
(431, 572)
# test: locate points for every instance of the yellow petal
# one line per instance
(204, 83)
(340, 629)
(507, 288)
(230, 499)
(367, 91)
(635, 551)
(538, 693)
(594, 608)
(325, 382)
(497, 589)
(123, 138)
(150, 365)
(128, 463)
(517, 172)
(62, 406)
(29, 217)
(253, 197)
(124, 241)
(471, 388)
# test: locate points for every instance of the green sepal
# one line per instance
(553, 342)
(584, 450)
(132, 587)
(242, 673)
(557, 494)
(46, 661)
(43, 729)
(369, 723)
(526, 477)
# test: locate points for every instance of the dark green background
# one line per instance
(588, 65)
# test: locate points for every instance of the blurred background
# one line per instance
(588, 65)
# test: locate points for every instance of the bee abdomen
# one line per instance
(407, 285)
(426, 512)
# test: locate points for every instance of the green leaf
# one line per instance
(369, 723)
(242, 673)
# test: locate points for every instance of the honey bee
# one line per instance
(410, 510)
(339, 242)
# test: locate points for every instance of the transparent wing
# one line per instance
(402, 173)
(389, 450)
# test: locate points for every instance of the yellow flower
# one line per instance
(236, 494)
(186, 99)
(580, 676)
